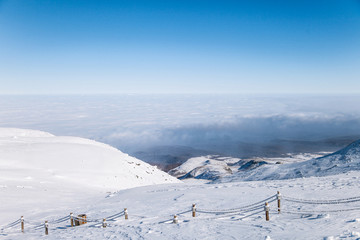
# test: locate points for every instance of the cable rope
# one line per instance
(250, 215)
(321, 211)
(239, 209)
(10, 225)
(333, 201)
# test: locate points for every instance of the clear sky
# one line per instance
(197, 46)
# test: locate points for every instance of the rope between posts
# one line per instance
(80, 219)
(183, 212)
(10, 225)
(60, 220)
(239, 209)
(116, 215)
(93, 221)
(57, 222)
(242, 212)
(40, 226)
(223, 210)
(334, 201)
(171, 219)
(251, 215)
(109, 218)
(322, 211)
(236, 212)
(254, 208)
(32, 223)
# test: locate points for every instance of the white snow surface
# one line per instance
(73, 159)
(39, 170)
(342, 161)
(151, 210)
(44, 177)
(207, 167)
(214, 167)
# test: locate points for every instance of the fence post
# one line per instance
(22, 224)
(46, 228)
(175, 219)
(194, 210)
(126, 214)
(267, 209)
(104, 224)
(278, 200)
(71, 219)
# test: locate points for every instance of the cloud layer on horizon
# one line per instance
(220, 122)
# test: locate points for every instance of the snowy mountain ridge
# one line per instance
(44, 177)
(214, 169)
(342, 161)
(351, 153)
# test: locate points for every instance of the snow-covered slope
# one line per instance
(40, 171)
(151, 210)
(295, 166)
(33, 188)
(214, 167)
(77, 160)
(342, 161)
(206, 167)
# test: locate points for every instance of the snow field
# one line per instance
(36, 182)
(151, 210)
(40, 172)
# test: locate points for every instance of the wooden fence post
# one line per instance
(194, 210)
(46, 228)
(267, 209)
(104, 224)
(278, 200)
(126, 214)
(71, 219)
(175, 219)
(22, 224)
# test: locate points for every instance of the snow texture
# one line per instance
(298, 166)
(214, 168)
(40, 171)
(44, 177)
(151, 210)
(342, 161)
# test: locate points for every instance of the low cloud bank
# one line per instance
(226, 124)
(249, 132)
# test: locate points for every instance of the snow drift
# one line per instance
(41, 173)
(28, 154)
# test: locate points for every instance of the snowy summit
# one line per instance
(75, 160)
(52, 170)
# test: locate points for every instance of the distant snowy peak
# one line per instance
(202, 168)
(210, 167)
(342, 161)
(295, 166)
(351, 153)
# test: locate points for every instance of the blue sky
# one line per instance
(100, 47)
